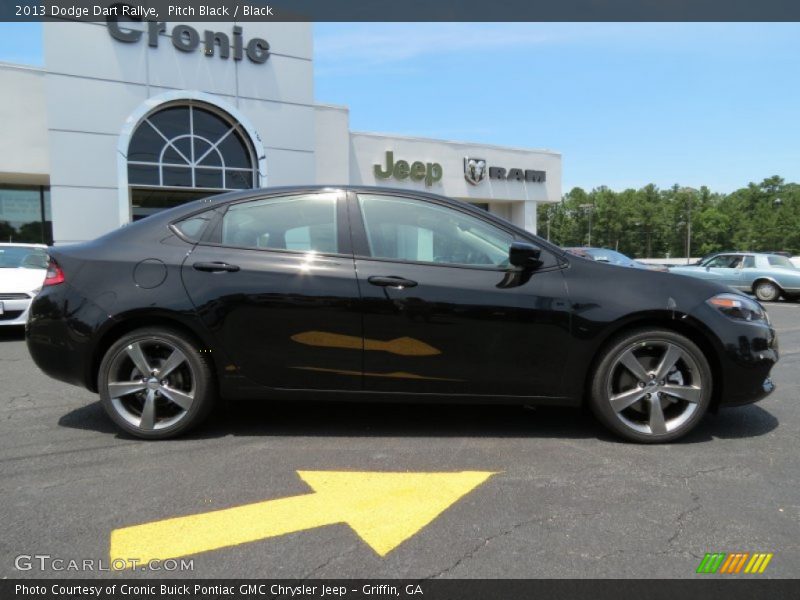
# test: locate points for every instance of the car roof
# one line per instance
(187, 209)
(21, 245)
(743, 252)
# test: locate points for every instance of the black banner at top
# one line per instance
(406, 10)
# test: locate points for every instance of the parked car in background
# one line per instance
(768, 276)
(613, 257)
(22, 271)
(796, 261)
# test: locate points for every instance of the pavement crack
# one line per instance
(683, 516)
(702, 472)
(324, 564)
(483, 543)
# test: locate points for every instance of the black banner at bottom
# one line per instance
(387, 589)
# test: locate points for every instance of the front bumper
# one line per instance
(15, 312)
(747, 352)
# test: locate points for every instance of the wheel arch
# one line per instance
(679, 323)
(124, 324)
(765, 279)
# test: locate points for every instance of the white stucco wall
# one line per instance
(95, 82)
(24, 155)
(332, 133)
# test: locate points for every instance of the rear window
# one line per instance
(780, 261)
(193, 227)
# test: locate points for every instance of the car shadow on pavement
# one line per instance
(14, 333)
(359, 419)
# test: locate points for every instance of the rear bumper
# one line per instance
(59, 335)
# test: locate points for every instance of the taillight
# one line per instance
(54, 274)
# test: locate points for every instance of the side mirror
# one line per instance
(525, 255)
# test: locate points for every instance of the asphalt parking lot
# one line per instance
(566, 499)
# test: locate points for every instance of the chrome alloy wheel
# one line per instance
(151, 384)
(654, 387)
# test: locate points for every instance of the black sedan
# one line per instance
(377, 294)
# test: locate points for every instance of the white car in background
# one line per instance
(795, 261)
(22, 271)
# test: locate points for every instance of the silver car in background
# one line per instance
(768, 276)
(22, 271)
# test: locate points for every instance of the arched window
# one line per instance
(191, 146)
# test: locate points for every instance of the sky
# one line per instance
(714, 104)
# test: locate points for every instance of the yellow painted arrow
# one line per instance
(384, 509)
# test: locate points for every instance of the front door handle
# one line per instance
(215, 267)
(391, 281)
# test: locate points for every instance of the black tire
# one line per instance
(193, 377)
(637, 422)
(766, 291)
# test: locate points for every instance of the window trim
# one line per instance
(361, 249)
(234, 128)
(173, 226)
(342, 223)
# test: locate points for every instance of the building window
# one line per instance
(25, 214)
(187, 146)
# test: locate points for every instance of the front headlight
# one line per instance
(739, 307)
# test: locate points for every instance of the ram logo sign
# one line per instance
(476, 171)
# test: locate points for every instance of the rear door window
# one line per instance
(304, 223)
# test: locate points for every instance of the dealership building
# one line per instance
(127, 118)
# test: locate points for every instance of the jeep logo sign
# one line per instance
(416, 171)
(187, 39)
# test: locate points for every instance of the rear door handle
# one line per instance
(391, 281)
(215, 267)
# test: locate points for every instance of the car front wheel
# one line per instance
(154, 384)
(652, 386)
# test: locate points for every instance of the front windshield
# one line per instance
(780, 261)
(22, 257)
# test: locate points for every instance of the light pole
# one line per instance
(688, 230)
(590, 208)
(690, 192)
(780, 239)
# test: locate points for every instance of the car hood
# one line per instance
(21, 280)
(642, 289)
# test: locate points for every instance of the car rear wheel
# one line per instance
(766, 291)
(154, 384)
(652, 386)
